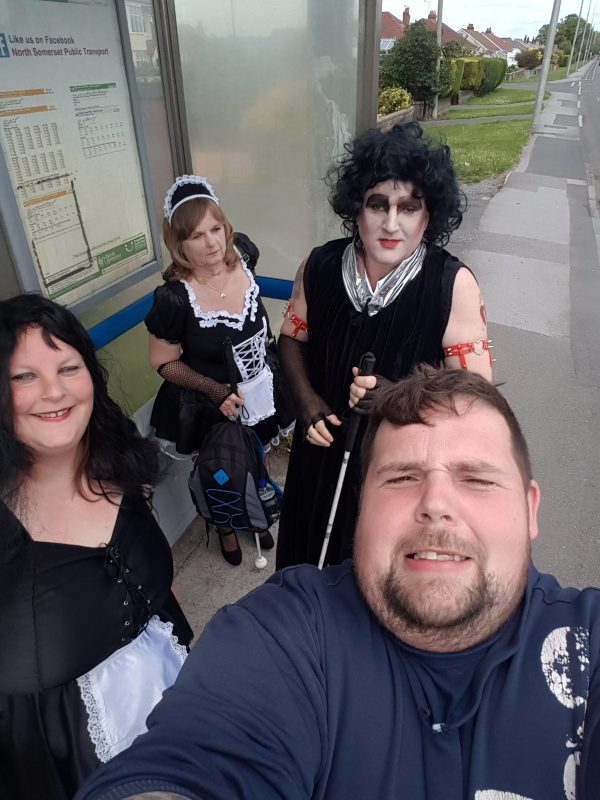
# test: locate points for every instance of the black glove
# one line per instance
(310, 406)
(366, 404)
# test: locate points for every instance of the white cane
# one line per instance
(366, 367)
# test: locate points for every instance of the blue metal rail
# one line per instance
(116, 325)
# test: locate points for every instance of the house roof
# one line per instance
(391, 26)
(482, 39)
(448, 33)
(502, 41)
(489, 41)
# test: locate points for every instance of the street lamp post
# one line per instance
(434, 111)
(574, 39)
(584, 32)
(546, 62)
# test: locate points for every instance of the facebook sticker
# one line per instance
(4, 51)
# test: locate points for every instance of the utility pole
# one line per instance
(574, 39)
(590, 37)
(546, 63)
(584, 32)
(434, 111)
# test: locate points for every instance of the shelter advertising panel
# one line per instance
(68, 140)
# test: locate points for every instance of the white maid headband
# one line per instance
(187, 187)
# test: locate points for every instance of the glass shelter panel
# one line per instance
(270, 94)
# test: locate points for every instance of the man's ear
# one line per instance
(534, 496)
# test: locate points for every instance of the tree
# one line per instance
(412, 63)
(542, 34)
(567, 27)
(529, 59)
(454, 49)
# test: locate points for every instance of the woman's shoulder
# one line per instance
(166, 318)
(172, 290)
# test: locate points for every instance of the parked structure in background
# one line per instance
(393, 29)
(488, 44)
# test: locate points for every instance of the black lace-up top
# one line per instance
(72, 606)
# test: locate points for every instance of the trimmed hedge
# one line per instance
(394, 98)
(458, 78)
(447, 76)
(451, 75)
(494, 70)
(473, 74)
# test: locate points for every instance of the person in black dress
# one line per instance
(209, 294)
(388, 288)
(90, 632)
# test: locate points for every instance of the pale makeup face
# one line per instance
(391, 224)
(444, 534)
(205, 248)
(53, 395)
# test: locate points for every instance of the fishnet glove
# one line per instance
(365, 405)
(310, 406)
(182, 375)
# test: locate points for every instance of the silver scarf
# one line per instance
(387, 290)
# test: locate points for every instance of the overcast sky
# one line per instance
(504, 17)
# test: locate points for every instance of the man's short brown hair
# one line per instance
(427, 389)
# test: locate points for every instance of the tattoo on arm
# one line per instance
(297, 290)
(482, 310)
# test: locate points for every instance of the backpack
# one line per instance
(229, 483)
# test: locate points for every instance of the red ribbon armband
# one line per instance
(478, 348)
(298, 323)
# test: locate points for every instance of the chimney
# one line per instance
(470, 27)
(432, 15)
(488, 30)
(406, 17)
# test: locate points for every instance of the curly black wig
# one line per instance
(115, 453)
(401, 154)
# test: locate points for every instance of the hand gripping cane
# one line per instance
(366, 367)
(260, 561)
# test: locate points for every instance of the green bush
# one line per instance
(473, 74)
(561, 59)
(394, 98)
(529, 59)
(494, 70)
(458, 78)
(448, 69)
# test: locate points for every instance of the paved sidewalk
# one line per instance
(534, 248)
(536, 255)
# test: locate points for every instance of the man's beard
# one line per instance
(443, 613)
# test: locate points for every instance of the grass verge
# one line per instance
(554, 75)
(500, 111)
(482, 151)
(501, 97)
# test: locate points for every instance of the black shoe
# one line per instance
(266, 540)
(233, 557)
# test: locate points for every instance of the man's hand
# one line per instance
(318, 434)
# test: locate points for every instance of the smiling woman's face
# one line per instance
(391, 224)
(52, 392)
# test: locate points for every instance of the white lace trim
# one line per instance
(112, 723)
(167, 628)
(97, 725)
(210, 319)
